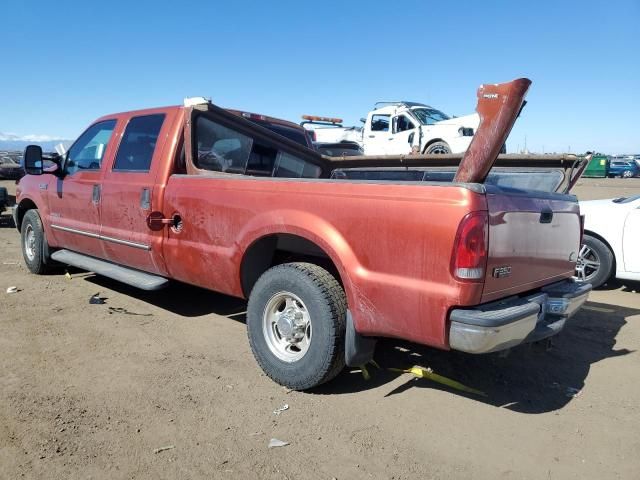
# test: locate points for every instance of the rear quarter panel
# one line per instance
(391, 243)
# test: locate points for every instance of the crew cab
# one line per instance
(396, 128)
(328, 263)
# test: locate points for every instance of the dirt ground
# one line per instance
(91, 391)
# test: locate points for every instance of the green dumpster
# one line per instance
(598, 167)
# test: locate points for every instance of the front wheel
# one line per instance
(296, 322)
(595, 262)
(33, 242)
(438, 148)
(627, 174)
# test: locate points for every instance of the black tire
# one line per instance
(438, 148)
(34, 254)
(4, 198)
(325, 302)
(596, 250)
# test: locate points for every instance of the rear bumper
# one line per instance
(506, 323)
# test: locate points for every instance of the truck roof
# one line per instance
(289, 131)
(247, 115)
(402, 103)
(393, 106)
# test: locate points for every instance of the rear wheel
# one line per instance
(33, 243)
(296, 321)
(595, 262)
(438, 147)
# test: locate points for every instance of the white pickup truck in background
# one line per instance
(396, 128)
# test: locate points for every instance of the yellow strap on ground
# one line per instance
(421, 372)
(365, 372)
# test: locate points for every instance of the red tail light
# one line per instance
(469, 258)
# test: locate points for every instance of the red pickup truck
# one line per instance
(329, 257)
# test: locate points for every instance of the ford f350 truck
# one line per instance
(328, 262)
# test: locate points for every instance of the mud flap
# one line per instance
(358, 349)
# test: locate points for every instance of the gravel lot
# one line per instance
(91, 391)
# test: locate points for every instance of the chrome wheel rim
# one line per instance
(440, 149)
(30, 243)
(286, 326)
(587, 265)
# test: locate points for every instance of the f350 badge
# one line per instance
(501, 272)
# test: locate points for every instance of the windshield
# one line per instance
(429, 116)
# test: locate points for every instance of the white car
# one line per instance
(398, 128)
(611, 243)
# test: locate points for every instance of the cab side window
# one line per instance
(87, 152)
(403, 123)
(380, 123)
(220, 149)
(138, 144)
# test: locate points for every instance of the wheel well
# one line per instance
(279, 248)
(431, 142)
(24, 206)
(602, 239)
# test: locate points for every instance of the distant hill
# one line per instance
(10, 141)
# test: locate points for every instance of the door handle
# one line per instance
(95, 195)
(372, 136)
(546, 216)
(390, 138)
(145, 199)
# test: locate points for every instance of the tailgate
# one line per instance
(533, 240)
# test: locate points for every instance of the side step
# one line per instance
(135, 278)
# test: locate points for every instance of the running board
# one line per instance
(135, 278)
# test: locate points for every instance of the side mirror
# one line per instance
(412, 135)
(33, 160)
(363, 120)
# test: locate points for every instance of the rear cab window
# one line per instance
(138, 143)
(380, 123)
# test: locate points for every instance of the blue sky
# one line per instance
(66, 63)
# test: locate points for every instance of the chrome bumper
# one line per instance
(504, 324)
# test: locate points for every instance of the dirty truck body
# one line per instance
(328, 263)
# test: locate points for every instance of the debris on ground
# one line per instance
(67, 275)
(162, 449)
(572, 392)
(96, 299)
(421, 372)
(127, 312)
(275, 443)
(12, 290)
(278, 411)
